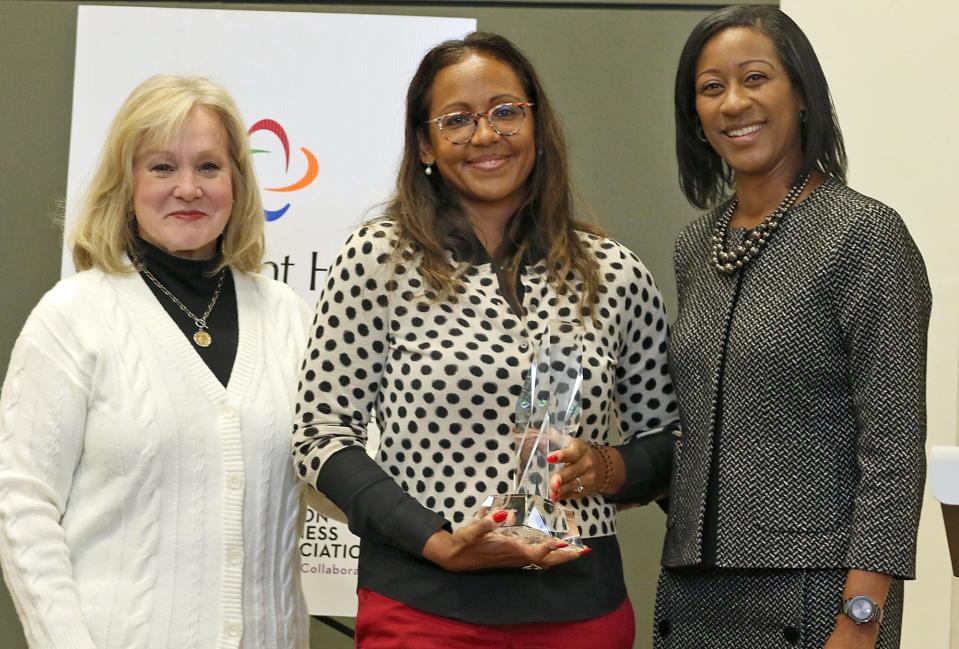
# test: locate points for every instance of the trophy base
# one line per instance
(534, 519)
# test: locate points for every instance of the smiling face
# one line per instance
(183, 191)
(488, 173)
(748, 106)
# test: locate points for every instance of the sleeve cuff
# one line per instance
(374, 504)
(648, 461)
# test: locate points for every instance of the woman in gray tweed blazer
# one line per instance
(799, 360)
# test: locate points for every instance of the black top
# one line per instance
(192, 283)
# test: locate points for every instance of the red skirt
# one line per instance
(383, 623)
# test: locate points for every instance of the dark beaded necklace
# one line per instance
(729, 261)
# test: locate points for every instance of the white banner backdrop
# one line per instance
(323, 96)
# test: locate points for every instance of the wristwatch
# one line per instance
(862, 609)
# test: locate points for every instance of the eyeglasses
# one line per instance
(505, 119)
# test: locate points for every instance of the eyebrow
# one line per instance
(741, 64)
(206, 153)
(493, 101)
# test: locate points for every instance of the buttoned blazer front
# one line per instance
(808, 365)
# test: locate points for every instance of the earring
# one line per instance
(701, 134)
(429, 169)
(802, 116)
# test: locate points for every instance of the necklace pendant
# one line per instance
(202, 338)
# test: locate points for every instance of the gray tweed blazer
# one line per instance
(819, 346)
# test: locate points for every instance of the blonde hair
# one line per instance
(151, 116)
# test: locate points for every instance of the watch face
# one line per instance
(861, 608)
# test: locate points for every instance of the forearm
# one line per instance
(642, 468)
(874, 585)
(375, 505)
(847, 633)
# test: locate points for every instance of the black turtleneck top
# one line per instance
(192, 283)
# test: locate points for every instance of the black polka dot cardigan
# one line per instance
(441, 378)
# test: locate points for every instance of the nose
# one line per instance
(735, 101)
(187, 186)
(484, 134)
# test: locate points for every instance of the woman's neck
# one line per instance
(759, 195)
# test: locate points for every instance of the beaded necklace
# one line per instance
(729, 261)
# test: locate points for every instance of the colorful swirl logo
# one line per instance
(312, 166)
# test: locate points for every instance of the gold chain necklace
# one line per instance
(202, 335)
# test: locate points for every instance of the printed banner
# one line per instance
(323, 95)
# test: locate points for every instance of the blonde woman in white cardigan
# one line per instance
(146, 493)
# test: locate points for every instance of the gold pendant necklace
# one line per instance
(201, 336)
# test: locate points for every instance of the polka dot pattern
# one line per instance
(442, 376)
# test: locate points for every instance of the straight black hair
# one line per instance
(706, 180)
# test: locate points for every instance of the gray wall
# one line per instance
(607, 65)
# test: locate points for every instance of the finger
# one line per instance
(473, 532)
(569, 454)
(568, 479)
(552, 552)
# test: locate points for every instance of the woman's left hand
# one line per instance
(849, 635)
(583, 475)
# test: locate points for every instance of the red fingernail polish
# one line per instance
(586, 550)
(552, 459)
(499, 516)
(562, 545)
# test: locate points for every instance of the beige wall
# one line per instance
(892, 70)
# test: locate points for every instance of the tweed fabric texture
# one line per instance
(722, 608)
(820, 452)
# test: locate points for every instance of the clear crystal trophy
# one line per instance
(547, 414)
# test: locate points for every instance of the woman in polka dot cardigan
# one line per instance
(427, 321)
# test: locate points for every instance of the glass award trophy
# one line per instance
(547, 414)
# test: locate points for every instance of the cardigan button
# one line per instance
(234, 481)
(234, 556)
(233, 629)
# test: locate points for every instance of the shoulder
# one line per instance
(68, 321)
(615, 259)
(267, 287)
(698, 231)
(77, 296)
(372, 240)
(860, 220)
(273, 296)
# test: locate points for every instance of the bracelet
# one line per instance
(603, 452)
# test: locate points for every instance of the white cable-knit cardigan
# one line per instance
(142, 504)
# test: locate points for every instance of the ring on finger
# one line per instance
(533, 566)
(579, 486)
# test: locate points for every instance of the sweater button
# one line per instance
(234, 481)
(233, 629)
(234, 556)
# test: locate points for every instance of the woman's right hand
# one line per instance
(472, 547)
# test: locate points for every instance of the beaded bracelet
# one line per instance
(603, 452)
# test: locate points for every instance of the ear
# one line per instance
(426, 150)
